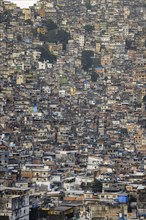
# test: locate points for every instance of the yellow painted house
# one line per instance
(27, 13)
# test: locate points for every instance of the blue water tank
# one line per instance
(85, 81)
(123, 198)
(35, 109)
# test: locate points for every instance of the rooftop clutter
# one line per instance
(72, 109)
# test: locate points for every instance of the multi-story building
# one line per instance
(14, 203)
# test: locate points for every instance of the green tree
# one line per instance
(6, 16)
(46, 54)
(96, 186)
(144, 99)
(124, 131)
(63, 80)
(83, 186)
(94, 77)
(29, 21)
(49, 37)
(128, 44)
(54, 36)
(87, 59)
(19, 37)
(89, 28)
(88, 5)
(105, 78)
(63, 37)
(50, 25)
(34, 32)
(97, 61)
